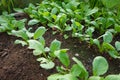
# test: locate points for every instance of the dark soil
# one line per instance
(18, 63)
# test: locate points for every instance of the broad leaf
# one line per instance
(84, 73)
(107, 47)
(114, 54)
(117, 28)
(61, 77)
(54, 76)
(113, 77)
(42, 41)
(90, 12)
(37, 46)
(20, 33)
(117, 45)
(33, 22)
(97, 42)
(100, 66)
(63, 57)
(39, 32)
(45, 63)
(20, 42)
(55, 45)
(95, 78)
(107, 37)
(110, 3)
(75, 70)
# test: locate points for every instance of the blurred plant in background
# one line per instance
(6, 5)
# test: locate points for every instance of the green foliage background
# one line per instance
(8, 5)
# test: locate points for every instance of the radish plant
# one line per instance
(46, 55)
(27, 35)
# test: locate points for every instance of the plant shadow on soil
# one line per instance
(18, 63)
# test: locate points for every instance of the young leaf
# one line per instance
(45, 63)
(95, 78)
(33, 22)
(39, 32)
(90, 12)
(100, 66)
(112, 77)
(42, 41)
(20, 33)
(55, 45)
(63, 19)
(62, 56)
(117, 45)
(107, 47)
(2, 29)
(117, 28)
(110, 3)
(54, 10)
(75, 70)
(61, 77)
(84, 73)
(54, 76)
(107, 37)
(20, 42)
(37, 46)
(114, 54)
(97, 42)
(89, 31)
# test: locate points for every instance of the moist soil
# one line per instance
(18, 63)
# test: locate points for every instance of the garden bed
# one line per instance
(70, 40)
(18, 63)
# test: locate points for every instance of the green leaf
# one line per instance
(20, 42)
(75, 70)
(37, 46)
(84, 73)
(112, 77)
(54, 76)
(19, 24)
(55, 45)
(107, 47)
(30, 35)
(90, 12)
(39, 32)
(114, 54)
(2, 29)
(110, 3)
(20, 33)
(54, 26)
(63, 19)
(117, 45)
(97, 42)
(107, 37)
(33, 22)
(62, 56)
(100, 66)
(61, 77)
(117, 28)
(47, 49)
(89, 31)
(95, 78)
(42, 41)
(18, 10)
(54, 10)
(45, 63)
